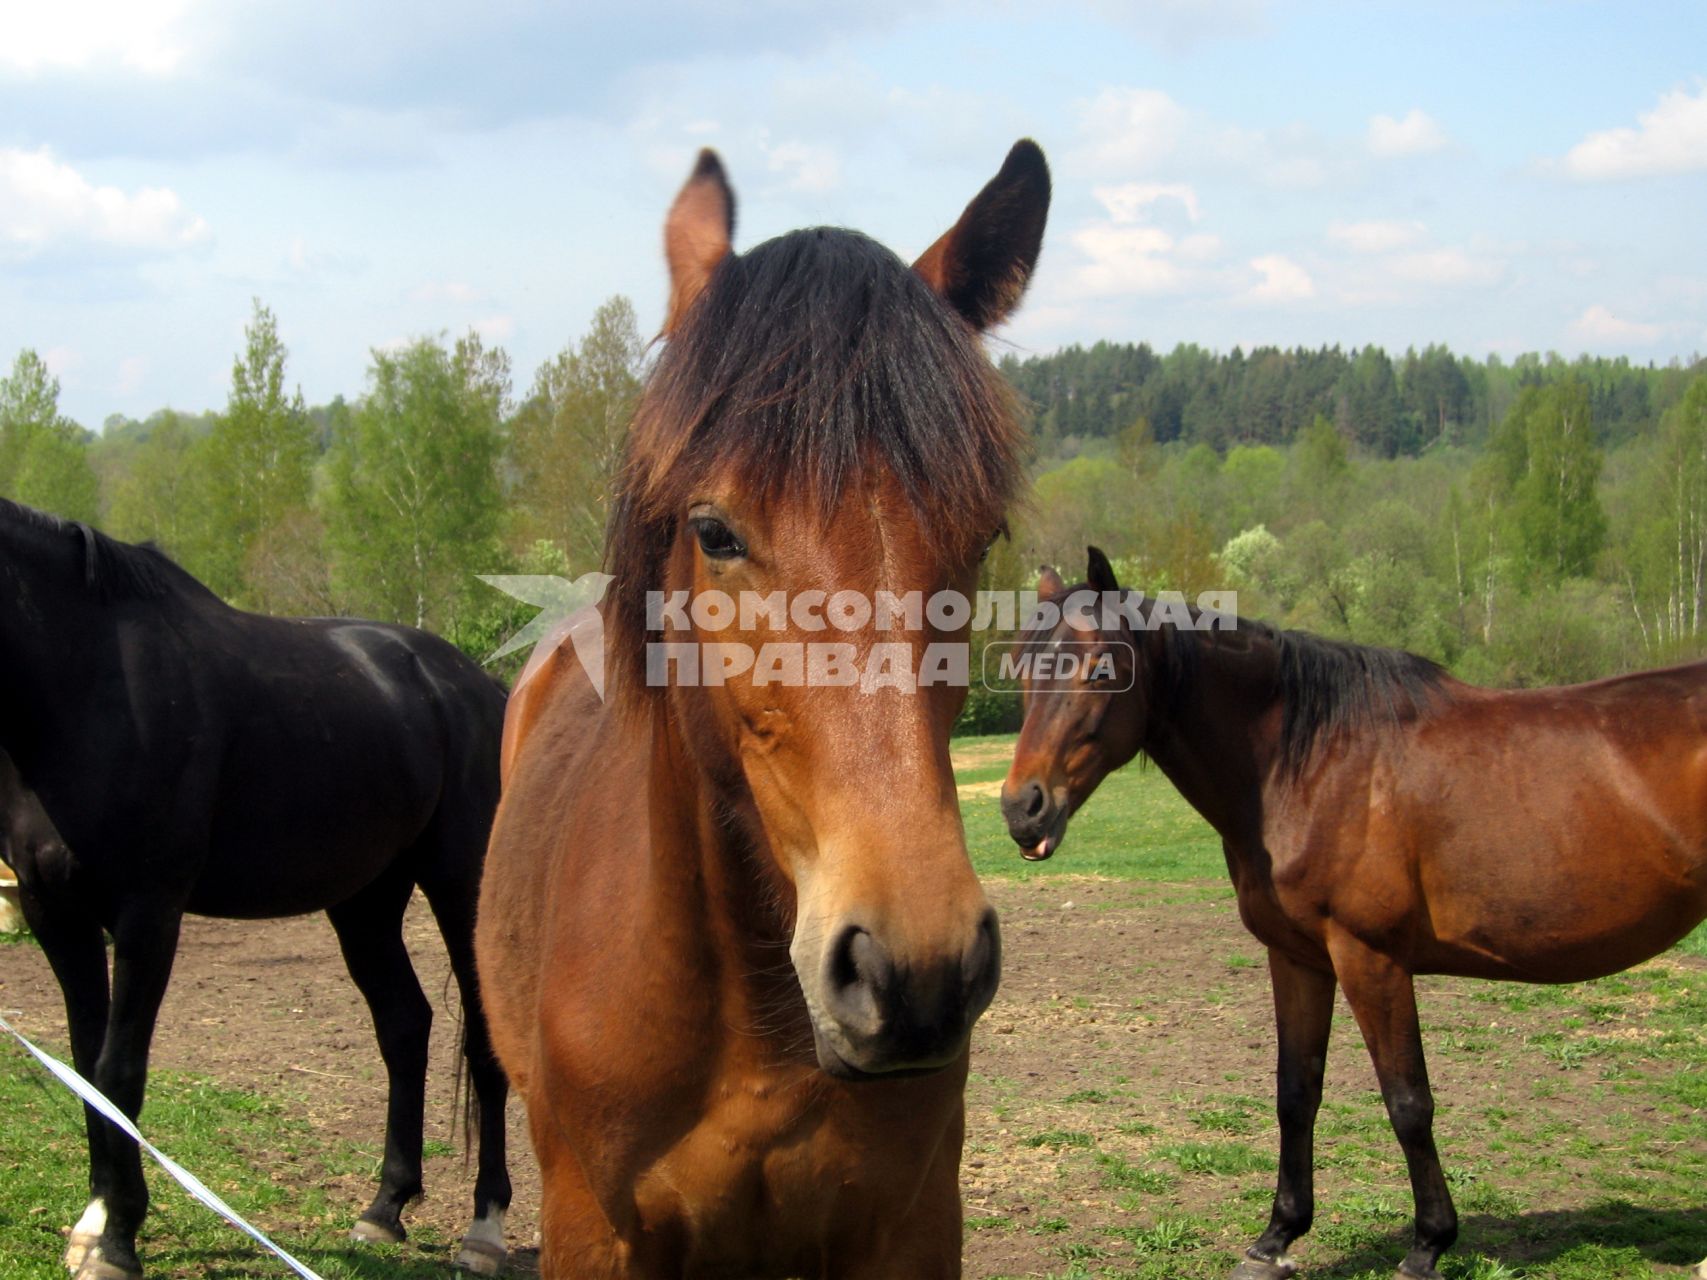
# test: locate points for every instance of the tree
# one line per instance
(43, 459)
(413, 502)
(566, 442)
(1137, 446)
(1320, 470)
(1665, 555)
(259, 459)
(1435, 391)
(1369, 406)
(1560, 523)
(55, 476)
(156, 493)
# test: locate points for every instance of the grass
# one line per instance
(259, 1154)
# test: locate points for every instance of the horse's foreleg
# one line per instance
(76, 949)
(483, 1247)
(1384, 1001)
(1303, 1015)
(145, 940)
(370, 932)
(577, 1241)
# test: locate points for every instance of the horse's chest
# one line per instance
(765, 1184)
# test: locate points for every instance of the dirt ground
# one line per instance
(1124, 1009)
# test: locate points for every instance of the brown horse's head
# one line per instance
(822, 452)
(1086, 698)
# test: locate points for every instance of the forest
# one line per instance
(1527, 522)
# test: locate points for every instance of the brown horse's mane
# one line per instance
(808, 362)
(1326, 687)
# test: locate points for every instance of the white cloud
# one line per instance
(1598, 324)
(1414, 135)
(132, 371)
(1126, 130)
(1283, 280)
(1126, 260)
(1289, 157)
(1446, 265)
(43, 201)
(804, 166)
(76, 34)
(60, 360)
(1201, 247)
(495, 328)
(1376, 235)
(1129, 201)
(1123, 254)
(446, 291)
(1672, 138)
(1181, 26)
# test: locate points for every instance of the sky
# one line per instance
(1498, 176)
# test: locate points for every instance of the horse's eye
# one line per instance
(717, 539)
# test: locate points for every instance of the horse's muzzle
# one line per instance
(876, 1017)
(1034, 820)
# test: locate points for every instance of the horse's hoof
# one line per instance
(481, 1257)
(78, 1249)
(95, 1267)
(368, 1232)
(1262, 1269)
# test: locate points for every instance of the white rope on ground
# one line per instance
(194, 1185)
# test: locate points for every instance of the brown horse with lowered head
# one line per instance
(729, 939)
(1380, 819)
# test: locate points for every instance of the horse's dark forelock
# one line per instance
(807, 362)
(115, 570)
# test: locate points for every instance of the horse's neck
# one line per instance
(1215, 739)
(703, 839)
(48, 630)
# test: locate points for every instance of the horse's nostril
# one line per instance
(859, 972)
(981, 968)
(1034, 799)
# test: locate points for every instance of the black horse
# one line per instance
(196, 758)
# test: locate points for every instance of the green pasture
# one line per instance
(1645, 1160)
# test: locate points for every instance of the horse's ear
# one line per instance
(697, 234)
(1048, 581)
(983, 263)
(1100, 573)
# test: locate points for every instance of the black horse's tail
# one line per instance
(464, 1102)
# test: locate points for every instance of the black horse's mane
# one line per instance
(808, 363)
(114, 570)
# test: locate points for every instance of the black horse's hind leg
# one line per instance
(1383, 999)
(76, 948)
(370, 932)
(1303, 1015)
(453, 899)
